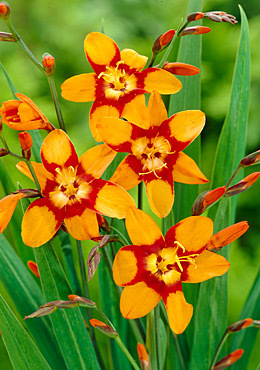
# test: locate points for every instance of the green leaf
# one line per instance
(211, 311)
(68, 325)
(23, 352)
(246, 337)
(27, 297)
(9, 81)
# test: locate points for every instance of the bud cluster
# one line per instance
(219, 16)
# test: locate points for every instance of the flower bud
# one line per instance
(239, 325)
(5, 36)
(143, 357)
(181, 69)
(227, 235)
(162, 41)
(219, 16)
(27, 193)
(102, 222)
(83, 302)
(3, 152)
(205, 199)
(104, 328)
(4, 10)
(195, 16)
(32, 266)
(48, 63)
(242, 185)
(229, 360)
(93, 261)
(250, 159)
(196, 30)
(26, 144)
(43, 311)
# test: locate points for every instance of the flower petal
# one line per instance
(124, 266)
(83, 226)
(101, 109)
(208, 265)
(157, 110)
(7, 207)
(160, 196)
(127, 173)
(80, 88)
(159, 80)
(95, 160)
(101, 51)
(136, 112)
(179, 311)
(133, 59)
(193, 233)
(110, 199)
(41, 173)
(40, 222)
(185, 170)
(227, 235)
(138, 300)
(142, 229)
(57, 151)
(183, 128)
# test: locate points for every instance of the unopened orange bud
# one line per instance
(34, 268)
(4, 10)
(27, 193)
(195, 16)
(181, 69)
(162, 41)
(48, 63)
(227, 235)
(239, 325)
(143, 357)
(229, 359)
(26, 144)
(102, 222)
(196, 30)
(5, 36)
(250, 159)
(3, 152)
(242, 185)
(83, 302)
(43, 311)
(104, 328)
(205, 199)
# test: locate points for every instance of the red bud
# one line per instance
(33, 267)
(4, 10)
(242, 185)
(227, 235)
(195, 16)
(250, 159)
(48, 63)
(205, 199)
(162, 41)
(83, 302)
(229, 359)
(26, 144)
(104, 328)
(196, 30)
(181, 69)
(239, 325)
(143, 356)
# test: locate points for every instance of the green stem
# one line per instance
(152, 60)
(56, 102)
(178, 351)
(156, 329)
(33, 174)
(139, 197)
(127, 353)
(233, 176)
(122, 235)
(222, 341)
(85, 291)
(167, 53)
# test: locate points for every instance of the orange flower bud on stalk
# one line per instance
(219, 16)
(205, 199)
(4, 10)
(196, 30)
(181, 69)
(32, 266)
(227, 235)
(162, 41)
(229, 359)
(250, 159)
(104, 328)
(26, 143)
(143, 357)
(239, 325)
(195, 16)
(83, 302)
(242, 185)
(5, 36)
(43, 311)
(48, 63)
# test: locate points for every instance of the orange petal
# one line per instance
(186, 171)
(7, 207)
(125, 175)
(96, 113)
(161, 81)
(133, 59)
(157, 110)
(40, 223)
(124, 267)
(114, 131)
(101, 51)
(95, 160)
(143, 356)
(136, 112)
(83, 227)
(41, 173)
(193, 233)
(142, 229)
(112, 200)
(179, 311)
(181, 69)
(160, 196)
(138, 300)
(32, 266)
(208, 265)
(227, 235)
(80, 88)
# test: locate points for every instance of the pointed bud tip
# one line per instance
(242, 185)
(143, 356)
(195, 16)
(162, 41)
(250, 159)
(196, 30)
(229, 359)
(104, 328)
(32, 266)
(206, 199)
(239, 325)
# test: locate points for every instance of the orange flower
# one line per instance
(23, 114)
(155, 267)
(7, 207)
(155, 149)
(72, 191)
(116, 80)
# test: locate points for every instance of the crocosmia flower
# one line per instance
(116, 80)
(72, 191)
(155, 149)
(155, 267)
(23, 114)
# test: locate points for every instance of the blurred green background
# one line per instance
(60, 27)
